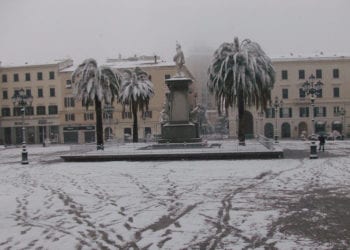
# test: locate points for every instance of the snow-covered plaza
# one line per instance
(290, 203)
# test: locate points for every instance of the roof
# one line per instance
(128, 64)
(60, 62)
(317, 57)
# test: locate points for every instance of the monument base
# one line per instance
(180, 133)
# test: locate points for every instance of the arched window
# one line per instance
(285, 128)
(268, 130)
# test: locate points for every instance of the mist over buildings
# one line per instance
(43, 30)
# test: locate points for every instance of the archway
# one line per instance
(320, 127)
(108, 133)
(302, 130)
(248, 125)
(338, 126)
(268, 130)
(285, 130)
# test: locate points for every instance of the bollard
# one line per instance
(313, 150)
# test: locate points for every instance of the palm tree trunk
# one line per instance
(241, 125)
(99, 126)
(135, 134)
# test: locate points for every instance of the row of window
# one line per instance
(27, 77)
(287, 112)
(52, 93)
(53, 110)
(318, 94)
(301, 74)
(40, 110)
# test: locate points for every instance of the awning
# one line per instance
(336, 122)
(320, 123)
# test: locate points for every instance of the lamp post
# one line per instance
(22, 100)
(277, 104)
(313, 89)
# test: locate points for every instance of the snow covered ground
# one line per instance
(291, 203)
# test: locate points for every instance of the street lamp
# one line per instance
(277, 104)
(22, 100)
(313, 89)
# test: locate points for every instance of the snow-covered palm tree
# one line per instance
(135, 92)
(93, 84)
(241, 75)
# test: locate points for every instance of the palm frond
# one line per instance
(241, 68)
(136, 89)
(91, 81)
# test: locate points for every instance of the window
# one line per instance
(53, 110)
(285, 93)
(336, 92)
(318, 73)
(15, 77)
(147, 114)
(39, 76)
(40, 110)
(5, 112)
(301, 74)
(4, 78)
(29, 110)
(270, 113)
(304, 112)
(284, 74)
(107, 115)
(51, 75)
(17, 111)
(88, 116)
(320, 111)
(40, 92)
(336, 111)
(167, 77)
(285, 112)
(27, 77)
(302, 93)
(5, 94)
(126, 115)
(70, 117)
(319, 93)
(335, 73)
(28, 92)
(69, 102)
(68, 84)
(52, 92)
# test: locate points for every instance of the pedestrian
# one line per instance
(322, 140)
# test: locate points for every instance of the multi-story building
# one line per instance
(294, 117)
(42, 120)
(55, 114)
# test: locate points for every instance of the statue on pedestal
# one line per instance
(179, 60)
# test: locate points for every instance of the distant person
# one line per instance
(322, 140)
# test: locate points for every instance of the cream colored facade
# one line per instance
(118, 125)
(68, 121)
(294, 122)
(42, 120)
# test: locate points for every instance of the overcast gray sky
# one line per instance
(43, 30)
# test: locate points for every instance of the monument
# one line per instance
(175, 116)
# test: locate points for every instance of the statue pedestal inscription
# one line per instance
(179, 129)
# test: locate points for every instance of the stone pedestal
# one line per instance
(179, 129)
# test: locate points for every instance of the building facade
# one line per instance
(55, 116)
(294, 117)
(42, 118)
